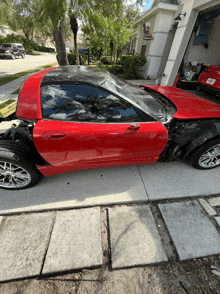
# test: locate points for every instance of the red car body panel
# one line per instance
(188, 106)
(71, 146)
(29, 106)
(211, 72)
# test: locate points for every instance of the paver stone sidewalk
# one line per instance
(23, 241)
(134, 237)
(192, 231)
(75, 242)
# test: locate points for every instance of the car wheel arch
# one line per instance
(195, 145)
(198, 157)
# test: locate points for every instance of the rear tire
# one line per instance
(207, 156)
(17, 171)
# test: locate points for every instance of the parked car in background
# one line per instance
(209, 80)
(76, 117)
(12, 50)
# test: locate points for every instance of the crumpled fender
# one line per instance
(204, 130)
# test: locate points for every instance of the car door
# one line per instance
(86, 125)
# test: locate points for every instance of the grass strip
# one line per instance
(48, 65)
(33, 53)
(8, 79)
(16, 92)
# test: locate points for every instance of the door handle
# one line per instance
(53, 135)
(134, 127)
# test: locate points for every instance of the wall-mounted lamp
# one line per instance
(178, 17)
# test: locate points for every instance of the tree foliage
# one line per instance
(109, 26)
(108, 23)
(5, 11)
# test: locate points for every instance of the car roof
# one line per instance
(13, 44)
(75, 73)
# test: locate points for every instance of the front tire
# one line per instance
(12, 56)
(23, 55)
(207, 156)
(17, 171)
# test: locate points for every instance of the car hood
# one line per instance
(188, 105)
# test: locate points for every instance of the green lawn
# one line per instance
(8, 79)
(16, 92)
(48, 65)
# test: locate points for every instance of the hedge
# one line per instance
(105, 59)
(131, 64)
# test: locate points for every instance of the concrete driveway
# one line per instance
(110, 186)
(10, 67)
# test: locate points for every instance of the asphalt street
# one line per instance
(10, 66)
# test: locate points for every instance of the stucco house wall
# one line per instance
(172, 38)
(158, 18)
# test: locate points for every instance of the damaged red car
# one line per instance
(209, 80)
(75, 118)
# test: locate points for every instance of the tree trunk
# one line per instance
(112, 47)
(26, 33)
(75, 46)
(74, 27)
(59, 38)
(117, 55)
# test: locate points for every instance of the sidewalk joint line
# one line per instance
(143, 182)
(49, 238)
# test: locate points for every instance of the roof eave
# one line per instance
(156, 8)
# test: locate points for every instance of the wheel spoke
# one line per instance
(13, 175)
(211, 157)
(1, 168)
(21, 176)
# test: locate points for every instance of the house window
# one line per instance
(204, 31)
(143, 50)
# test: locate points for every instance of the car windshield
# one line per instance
(136, 95)
(6, 45)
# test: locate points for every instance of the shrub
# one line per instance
(45, 49)
(111, 68)
(105, 59)
(131, 63)
(71, 58)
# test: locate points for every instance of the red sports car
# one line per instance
(209, 80)
(75, 117)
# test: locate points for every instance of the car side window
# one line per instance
(70, 102)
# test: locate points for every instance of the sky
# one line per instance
(147, 5)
